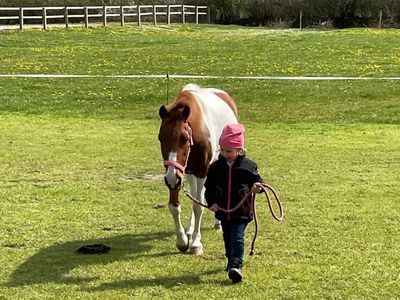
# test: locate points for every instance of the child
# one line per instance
(230, 178)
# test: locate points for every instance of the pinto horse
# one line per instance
(189, 134)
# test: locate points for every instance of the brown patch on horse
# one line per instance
(201, 151)
(228, 99)
(174, 131)
(186, 110)
(181, 124)
(174, 197)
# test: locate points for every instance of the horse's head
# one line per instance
(175, 137)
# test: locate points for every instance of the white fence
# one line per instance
(194, 76)
(72, 15)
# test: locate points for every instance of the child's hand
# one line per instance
(214, 207)
(256, 188)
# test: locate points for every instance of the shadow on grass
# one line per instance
(53, 264)
(169, 281)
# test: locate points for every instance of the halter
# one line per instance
(175, 164)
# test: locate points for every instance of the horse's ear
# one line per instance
(186, 112)
(162, 112)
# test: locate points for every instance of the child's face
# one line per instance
(230, 154)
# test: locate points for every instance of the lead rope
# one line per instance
(265, 188)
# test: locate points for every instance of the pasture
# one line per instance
(79, 160)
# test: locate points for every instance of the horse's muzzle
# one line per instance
(176, 186)
(173, 177)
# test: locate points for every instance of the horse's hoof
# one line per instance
(198, 251)
(217, 225)
(183, 248)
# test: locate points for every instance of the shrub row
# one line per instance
(288, 13)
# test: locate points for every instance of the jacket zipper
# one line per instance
(229, 190)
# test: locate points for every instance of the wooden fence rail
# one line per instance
(69, 14)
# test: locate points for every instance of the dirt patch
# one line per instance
(153, 176)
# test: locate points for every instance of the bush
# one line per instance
(341, 13)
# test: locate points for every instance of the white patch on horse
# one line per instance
(216, 113)
(170, 175)
(191, 87)
(217, 91)
(182, 240)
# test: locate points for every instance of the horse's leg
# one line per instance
(196, 247)
(193, 191)
(182, 242)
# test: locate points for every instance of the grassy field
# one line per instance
(77, 154)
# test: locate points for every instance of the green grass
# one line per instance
(211, 50)
(76, 153)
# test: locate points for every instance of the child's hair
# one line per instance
(242, 152)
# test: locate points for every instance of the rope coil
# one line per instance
(265, 188)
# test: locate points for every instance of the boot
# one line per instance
(228, 265)
(235, 270)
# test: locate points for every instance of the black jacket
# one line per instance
(240, 177)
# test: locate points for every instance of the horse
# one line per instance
(189, 133)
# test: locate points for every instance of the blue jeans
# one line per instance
(233, 234)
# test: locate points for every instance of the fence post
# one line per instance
(380, 19)
(197, 15)
(86, 16)
(154, 15)
(139, 21)
(21, 18)
(44, 18)
(209, 15)
(104, 15)
(66, 16)
(168, 14)
(183, 13)
(301, 19)
(122, 16)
